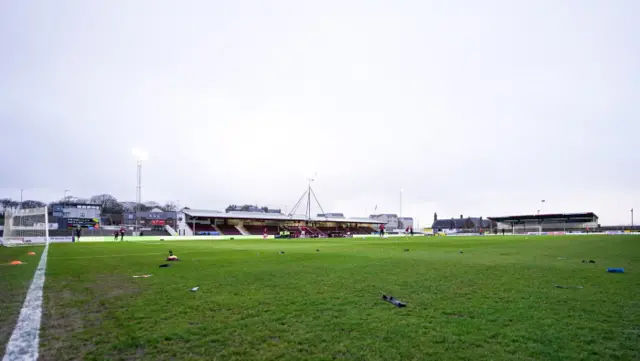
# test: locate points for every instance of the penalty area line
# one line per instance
(23, 344)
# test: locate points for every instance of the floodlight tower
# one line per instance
(310, 179)
(141, 156)
(308, 193)
(542, 202)
(401, 191)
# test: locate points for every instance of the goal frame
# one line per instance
(526, 228)
(9, 240)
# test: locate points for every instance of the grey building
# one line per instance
(405, 222)
(390, 220)
(76, 210)
(156, 218)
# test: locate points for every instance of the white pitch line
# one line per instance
(23, 344)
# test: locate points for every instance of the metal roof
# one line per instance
(544, 217)
(273, 216)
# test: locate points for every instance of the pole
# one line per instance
(401, 191)
(21, 191)
(46, 225)
(309, 201)
(632, 218)
(138, 192)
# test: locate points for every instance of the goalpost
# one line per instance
(527, 228)
(23, 227)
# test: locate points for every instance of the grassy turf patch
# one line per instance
(497, 300)
(14, 283)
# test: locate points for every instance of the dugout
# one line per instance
(565, 222)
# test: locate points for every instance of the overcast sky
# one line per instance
(481, 108)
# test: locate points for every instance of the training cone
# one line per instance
(31, 253)
(16, 262)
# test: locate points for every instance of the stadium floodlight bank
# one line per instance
(24, 227)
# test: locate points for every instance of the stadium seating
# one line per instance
(363, 230)
(295, 231)
(196, 228)
(228, 230)
(314, 231)
(259, 230)
(328, 230)
(308, 231)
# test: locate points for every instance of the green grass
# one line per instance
(495, 301)
(14, 283)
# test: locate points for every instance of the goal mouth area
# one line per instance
(23, 241)
(25, 227)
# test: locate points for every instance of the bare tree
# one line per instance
(128, 206)
(32, 204)
(143, 207)
(170, 207)
(5, 203)
(152, 204)
(107, 202)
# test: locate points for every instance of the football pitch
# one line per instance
(468, 298)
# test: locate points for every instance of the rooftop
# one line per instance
(576, 217)
(272, 216)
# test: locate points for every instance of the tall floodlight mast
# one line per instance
(307, 194)
(140, 156)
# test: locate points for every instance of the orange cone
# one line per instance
(31, 253)
(16, 262)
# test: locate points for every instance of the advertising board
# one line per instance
(82, 223)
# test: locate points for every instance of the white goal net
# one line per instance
(527, 229)
(24, 227)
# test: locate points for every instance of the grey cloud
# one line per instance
(474, 107)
